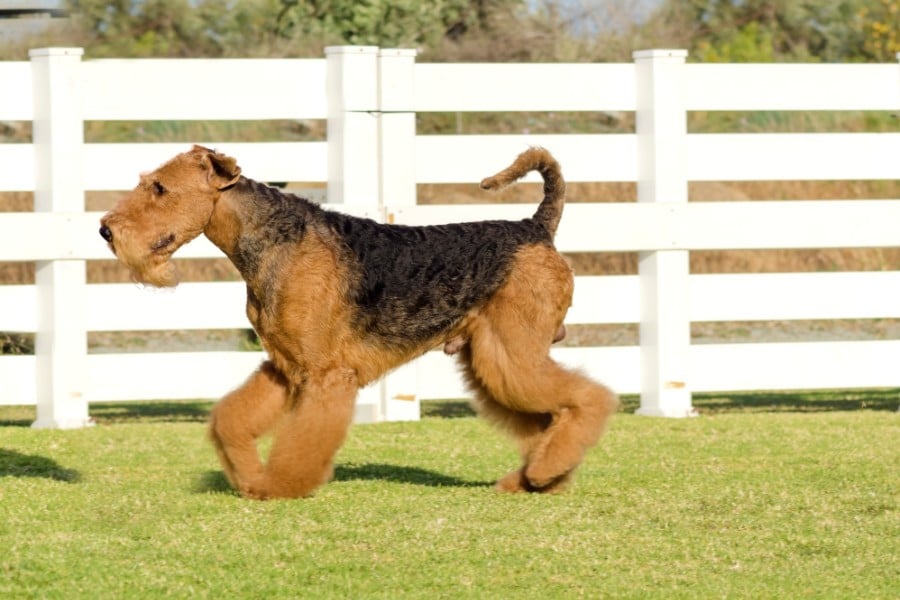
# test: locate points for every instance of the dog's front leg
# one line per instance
(244, 415)
(307, 439)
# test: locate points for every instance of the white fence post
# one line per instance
(397, 127)
(352, 89)
(397, 188)
(61, 338)
(665, 332)
(352, 96)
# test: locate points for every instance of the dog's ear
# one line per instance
(222, 171)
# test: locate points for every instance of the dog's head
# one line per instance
(169, 207)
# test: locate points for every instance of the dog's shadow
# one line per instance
(401, 474)
(214, 482)
(16, 464)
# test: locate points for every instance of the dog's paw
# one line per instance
(513, 482)
(546, 484)
(517, 481)
(255, 489)
(538, 476)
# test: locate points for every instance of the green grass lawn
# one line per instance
(752, 500)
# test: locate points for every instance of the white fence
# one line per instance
(372, 161)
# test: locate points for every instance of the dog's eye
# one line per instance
(158, 188)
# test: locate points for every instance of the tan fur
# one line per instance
(299, 302)
(555, 414)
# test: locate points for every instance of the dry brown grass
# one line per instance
(613, 263)
(720, 261)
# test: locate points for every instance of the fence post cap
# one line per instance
(397, 52)
(35, 52)
(659, 53)
(329, 50)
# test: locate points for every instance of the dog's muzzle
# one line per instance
(106, 233)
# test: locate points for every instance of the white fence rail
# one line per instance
(372, 161)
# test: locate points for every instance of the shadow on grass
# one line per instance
(447, 409)
(16, 464)
(214, 482)
(188, 411)
(197, 411)
(401, 474)
(801, 401)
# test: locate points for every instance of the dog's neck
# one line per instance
(251, 217)
(224, 225)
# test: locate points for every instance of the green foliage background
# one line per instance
(495, 30)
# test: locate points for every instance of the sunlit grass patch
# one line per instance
(763, 503)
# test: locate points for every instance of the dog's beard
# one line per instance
(149, 262)
(161, 274)
(151, 269)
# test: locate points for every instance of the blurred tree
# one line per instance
(880, 27)
(387, 23)
(172, 27)
(766, 30)
(497, 30)
(274, 27)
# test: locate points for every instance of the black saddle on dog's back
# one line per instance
(416, 282)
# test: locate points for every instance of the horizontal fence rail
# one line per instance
(112, 167)
(371, 163)
(611, 299)
(613, 227)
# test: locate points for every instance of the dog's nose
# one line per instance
(106, 233)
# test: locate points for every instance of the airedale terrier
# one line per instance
(339, 301)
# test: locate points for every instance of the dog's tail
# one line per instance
(536, 159)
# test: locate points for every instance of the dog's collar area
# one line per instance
(231, 185)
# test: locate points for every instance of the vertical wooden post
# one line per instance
(61, 339)
(397, 127)
(665, 332)
(352, 96)
(397, 187)
(352, 89)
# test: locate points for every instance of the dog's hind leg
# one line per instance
(509, 357)
(532, 390)
(308, 437)
(525, 428)
(554, 414)
(577, 425)
(241, 417)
